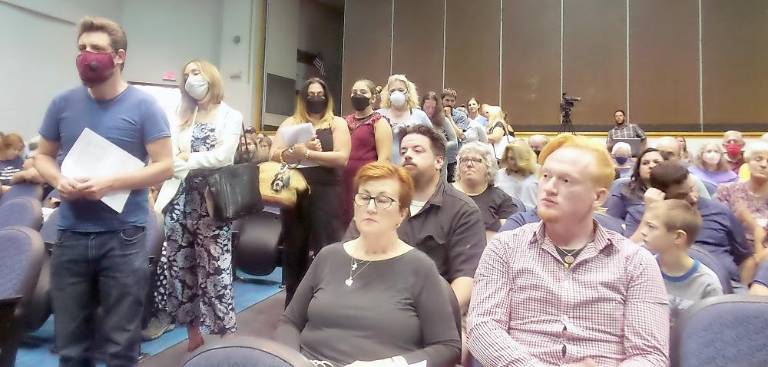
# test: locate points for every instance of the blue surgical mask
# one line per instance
(621, 160)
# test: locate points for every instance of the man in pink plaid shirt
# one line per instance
(565, 291)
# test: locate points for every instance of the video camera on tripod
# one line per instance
(566, 107)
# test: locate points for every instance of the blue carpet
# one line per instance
(248, 292)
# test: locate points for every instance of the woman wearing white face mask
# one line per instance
(195, 269)
(399, 102)
(710, 165)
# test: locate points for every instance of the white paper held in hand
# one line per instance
(93, 156)
(296, 134)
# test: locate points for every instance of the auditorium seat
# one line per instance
(23, 211)
(519, 204)
(255, 249)
(23, 190)
(21, 257)
(617, 183)
(246, 352)
(40, 304)
(729, 330)
(50, 229)
(709, 261)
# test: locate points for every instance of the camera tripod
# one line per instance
(566, 124)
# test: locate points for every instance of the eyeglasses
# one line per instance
(379, 201)
(466, 160)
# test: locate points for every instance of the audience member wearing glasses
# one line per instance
(374, 300)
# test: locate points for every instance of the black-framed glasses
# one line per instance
(379, 201)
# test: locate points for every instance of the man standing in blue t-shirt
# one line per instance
(100, 257)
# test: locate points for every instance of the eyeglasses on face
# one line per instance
(379, 201)
(466, 160)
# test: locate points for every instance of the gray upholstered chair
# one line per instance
(729, 330)
(21, 257)
(23, 211)
(23, 190)
(246, 352)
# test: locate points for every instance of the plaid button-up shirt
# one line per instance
(624, 131)
(529, 310)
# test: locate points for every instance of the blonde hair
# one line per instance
(215, 90)
(496, 115)
(489, 159)
(412, 95)
(722, 165)
(603, 172)
(300, 114)
(525, 158)
(676, 215)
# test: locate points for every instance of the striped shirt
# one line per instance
(529, 310)
(8, 168)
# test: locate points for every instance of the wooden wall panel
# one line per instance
(663, 40)
(367, 44)
(472, 49)
(735, 60)
(530, 90)
(594, 60)
(417, 50)
(664, 64)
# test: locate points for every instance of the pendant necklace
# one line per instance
(352, 267)
(568, 256)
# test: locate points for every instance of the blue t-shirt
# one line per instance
(131, 120)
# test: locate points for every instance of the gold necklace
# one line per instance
(570, 257)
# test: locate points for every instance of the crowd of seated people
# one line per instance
(431, 233)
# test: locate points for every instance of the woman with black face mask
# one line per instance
(371, 139)
(320, 160)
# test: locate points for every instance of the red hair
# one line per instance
(383, 171)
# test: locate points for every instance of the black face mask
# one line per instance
(360, 102)
(316, 104)
(537, 152)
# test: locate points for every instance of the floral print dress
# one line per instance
(195, 269)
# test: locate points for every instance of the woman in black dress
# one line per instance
(320, 160)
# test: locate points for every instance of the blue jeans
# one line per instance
(105, 271)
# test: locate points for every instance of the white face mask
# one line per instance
(397, 99)
(196, 86)
(711, 157)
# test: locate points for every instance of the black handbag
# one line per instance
(234, 189)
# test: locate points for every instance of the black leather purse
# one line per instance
(234, 189)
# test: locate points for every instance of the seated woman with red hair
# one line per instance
(374, 299)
